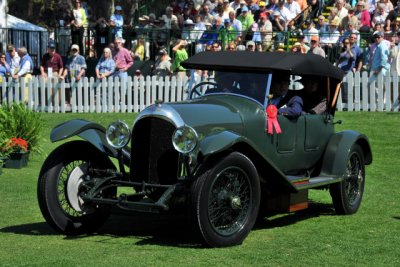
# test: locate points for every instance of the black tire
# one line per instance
(347, 195)
(225, 201)
(64, 167)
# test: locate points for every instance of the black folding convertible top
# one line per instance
(245, 61)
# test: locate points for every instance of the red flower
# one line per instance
(16, 145)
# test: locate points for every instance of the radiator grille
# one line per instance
(153, 158)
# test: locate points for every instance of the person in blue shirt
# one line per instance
(117, 21)
(4, 67)
(106, 65)
(288, 104)
(380, 60)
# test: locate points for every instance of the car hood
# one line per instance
(208, 114)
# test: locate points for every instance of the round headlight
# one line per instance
(184, 139)
(118, 134)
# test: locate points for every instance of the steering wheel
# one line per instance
(196, 91)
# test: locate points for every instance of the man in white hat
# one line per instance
(74, 69)
(117, 21)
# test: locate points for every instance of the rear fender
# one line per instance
(215, 145)
(92, 132)
(336, 153)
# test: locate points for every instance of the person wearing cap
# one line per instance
(265, 27)
(123, 59)
(315, 48)
(246, 18)
(301, 39)
(309, 31)
(363, 16)
(278, 27)
(331, 37)
(262, 9)
(76, 65)
(251, 46)
(117, 21)
(187, 31)
(380, 59)
(298, 48)
(163, 66)
(227, 34)
(12, 58)
(51, 64)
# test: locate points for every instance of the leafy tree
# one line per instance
(48, 12)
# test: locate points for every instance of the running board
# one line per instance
(301, 182)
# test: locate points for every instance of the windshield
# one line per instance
(251, 85)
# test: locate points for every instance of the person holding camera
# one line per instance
(180, 55)
(346, 56)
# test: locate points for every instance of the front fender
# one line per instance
(218, 142)
(92, 132)
(226, 140)
(336, 153)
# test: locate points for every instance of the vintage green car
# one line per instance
(217, 156)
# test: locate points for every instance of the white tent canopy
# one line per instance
(19, 24)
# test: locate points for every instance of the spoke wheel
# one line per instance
(229, 201)
(225, 201)
(347, 195)
(61, 187)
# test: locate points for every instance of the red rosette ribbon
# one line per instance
(272, 113)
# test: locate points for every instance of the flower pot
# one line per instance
(17, 160)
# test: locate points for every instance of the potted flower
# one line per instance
(18, 153)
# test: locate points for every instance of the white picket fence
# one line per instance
(365, 93)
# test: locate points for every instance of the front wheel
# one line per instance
(225, 201)
(347, 195)
(60, 187)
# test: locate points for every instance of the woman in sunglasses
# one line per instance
(4, 67)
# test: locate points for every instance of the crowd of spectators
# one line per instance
(350, 36)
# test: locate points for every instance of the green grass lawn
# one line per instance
(313, 237)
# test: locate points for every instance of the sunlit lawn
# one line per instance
(313, 237)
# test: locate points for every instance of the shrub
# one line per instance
(17, 121)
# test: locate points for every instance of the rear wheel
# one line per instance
(60, 189)
(225, 201)
(347, 195)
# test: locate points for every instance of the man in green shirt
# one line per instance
(246, 18)
(180, 55)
